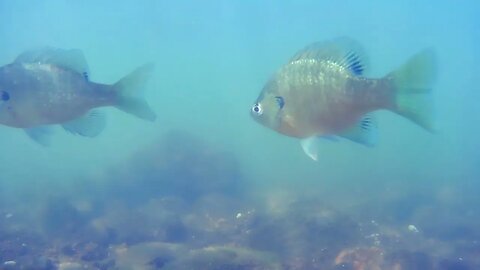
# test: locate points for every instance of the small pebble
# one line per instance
(412, 228)
(10, 263)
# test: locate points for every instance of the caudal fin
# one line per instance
(130, 90)
(413, 85)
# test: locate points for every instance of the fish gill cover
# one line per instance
(204, 186)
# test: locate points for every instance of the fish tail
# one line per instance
(129, 90)
(412, 85)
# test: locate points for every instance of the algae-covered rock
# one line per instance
(61, 218)
(166, 256)
(226, 258)
(147, 255)
(212, 220)
(361, 258)
(304, 228)
(70, 266)
(408, 260)
(157, 220)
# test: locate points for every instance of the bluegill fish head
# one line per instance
(267, 110)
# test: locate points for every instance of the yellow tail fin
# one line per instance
(413, 85)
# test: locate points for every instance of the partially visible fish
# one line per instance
(321, 92)
(50, 86)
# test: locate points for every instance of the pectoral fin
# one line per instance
(40, 134)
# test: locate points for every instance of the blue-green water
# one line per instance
(204, 186)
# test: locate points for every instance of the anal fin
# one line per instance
(89, 125)
(364, 132)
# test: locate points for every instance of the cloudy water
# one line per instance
(204, 186)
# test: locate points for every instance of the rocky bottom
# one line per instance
(168, 233)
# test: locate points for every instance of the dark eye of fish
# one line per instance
(5, 96)
(257, 108)
(280, 101)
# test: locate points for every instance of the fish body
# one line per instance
(321, 91)
(322, 97)
(45, 94)
(50, 86)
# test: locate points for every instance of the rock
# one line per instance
(70, 266)
(304, 228)
(9, 265)
(455, 265)
(62, 219)
(93, 252)
(146, 255)
(225, 258)
(105, 265)
(406, 260)
(212, 220)
(160, 220)
(156, 255)
(41, 263)
(360, 259)
(14, 247)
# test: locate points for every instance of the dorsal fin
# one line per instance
(70, 59)
(344, 51)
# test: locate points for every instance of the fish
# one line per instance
(50, 86)
(321, 92)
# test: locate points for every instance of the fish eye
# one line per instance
(257, 109)
(280, 101)
(4, 96)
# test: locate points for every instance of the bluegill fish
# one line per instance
(321, 92)
(50, 86)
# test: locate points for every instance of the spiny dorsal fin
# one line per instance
(70, 59)
(343, 51)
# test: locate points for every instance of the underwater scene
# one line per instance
(237, 135)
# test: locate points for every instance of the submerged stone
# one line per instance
(226, 258)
